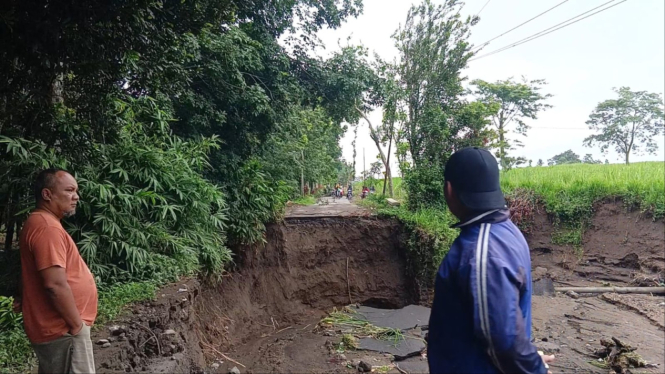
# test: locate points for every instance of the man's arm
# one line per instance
(58, 290)
(49, 250)
(498, 320)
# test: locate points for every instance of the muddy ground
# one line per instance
(264, 316)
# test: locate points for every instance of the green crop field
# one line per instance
(571, 190)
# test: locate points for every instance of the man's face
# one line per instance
(61, 198)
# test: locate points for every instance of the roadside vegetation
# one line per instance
(190, 125)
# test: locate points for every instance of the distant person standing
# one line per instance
(481, 314)
(59, 295)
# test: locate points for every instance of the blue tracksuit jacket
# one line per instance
(481, 315)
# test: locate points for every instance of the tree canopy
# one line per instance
(516, 102)
(630, 123)
(182, 120)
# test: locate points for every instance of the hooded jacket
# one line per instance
(481, 314)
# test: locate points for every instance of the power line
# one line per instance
(547, 31)
(481, 9)
(518, 26)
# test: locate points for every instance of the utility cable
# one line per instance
(547, 31)
(481, 9)
(518, 26)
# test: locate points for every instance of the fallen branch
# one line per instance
(286, 328)
(223, 355)
(348, 284)
(159, 346)
(400, 369)
(637, 290)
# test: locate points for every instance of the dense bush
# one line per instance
(424, 188)
(145, 212)
(254, 199)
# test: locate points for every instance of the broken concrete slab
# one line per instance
(414, 365)
(543, 286)
(392, 202)
(403, 319)
(402, 349)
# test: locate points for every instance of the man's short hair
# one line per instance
(45, 179)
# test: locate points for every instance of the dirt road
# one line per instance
(327, 207)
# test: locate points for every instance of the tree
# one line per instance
(433, 49)
(567, 157)
(607, 162)
(353, 89)
(517, 101)
(588, 159)
(630, 123)
(375, 168)
(530, 162)
(540, 162)
(215, 86)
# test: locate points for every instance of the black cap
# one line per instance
(474, 174)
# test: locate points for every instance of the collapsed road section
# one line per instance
(335, 295)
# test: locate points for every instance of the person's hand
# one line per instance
(76, 331)
(17, 306)
(547, 359)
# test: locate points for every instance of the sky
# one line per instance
(622, 46)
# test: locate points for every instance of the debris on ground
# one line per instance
(397, 332)
(364, 367)
(618, 356)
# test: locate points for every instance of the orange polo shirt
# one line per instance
(45, 243)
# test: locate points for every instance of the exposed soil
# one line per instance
(263, 317)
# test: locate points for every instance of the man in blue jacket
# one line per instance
(481, 315)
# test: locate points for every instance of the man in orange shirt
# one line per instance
(59, 295)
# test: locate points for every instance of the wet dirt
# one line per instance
(263, 316)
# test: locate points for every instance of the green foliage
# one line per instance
(9, 319)
(113, 298)
(309, 143)
(516, 102)
(569, 236)
(429, 110)
(630, 123)
(569, 192)
(567, 157)
(428, 237)
(424, 187)
(146, 211)
(305, 200)
(16, 354)
(253, 200)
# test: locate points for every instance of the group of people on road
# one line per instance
(481, 314)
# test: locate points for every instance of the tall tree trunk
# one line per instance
(302, 173)
(627, 157)
(375, 137)
(502, 142)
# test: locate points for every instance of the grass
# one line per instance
(399, 192)
(305, 200)
(570, 191)
(16, 354)
(356, 325)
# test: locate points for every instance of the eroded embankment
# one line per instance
(262, 315)
(305, 268)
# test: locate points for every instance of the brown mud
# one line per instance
(263, 317)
